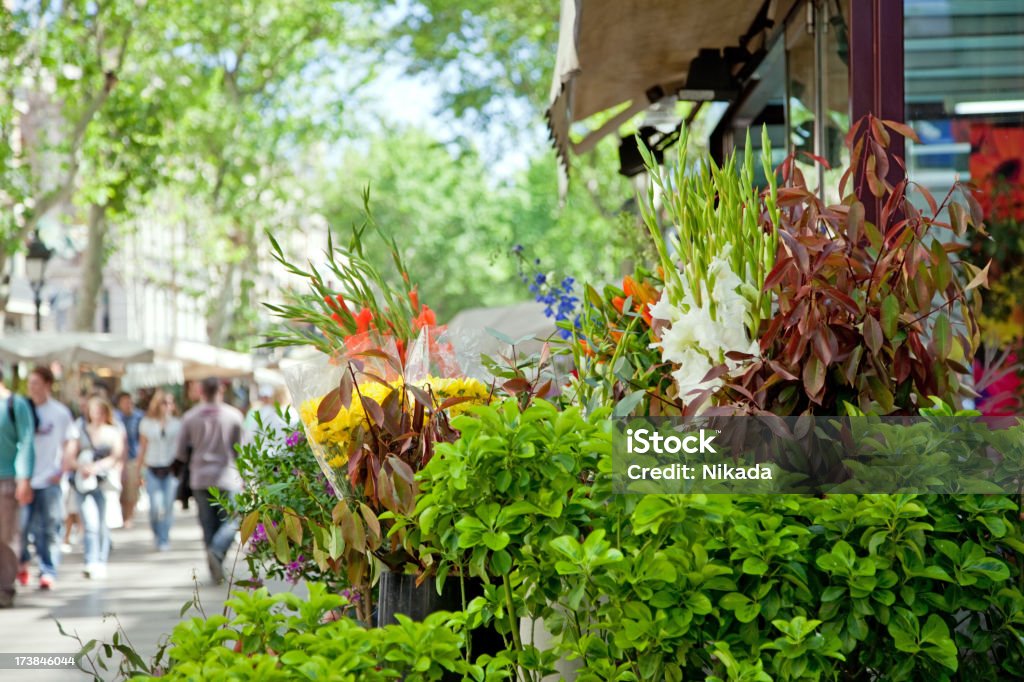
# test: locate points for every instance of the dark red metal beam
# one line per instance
(877, 75)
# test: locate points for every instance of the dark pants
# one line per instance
(218, 526)
(44, 518)
(10, 538)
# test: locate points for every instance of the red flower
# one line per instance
(426, 318)
(341, 302)
(414, 298)
(363, 320)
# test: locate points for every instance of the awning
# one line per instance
(514, 321)
(614, 52)
(74, 348)
(201, 360)
(152, 375)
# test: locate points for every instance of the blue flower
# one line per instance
(518, 248)
(541, 278)
(567, 284)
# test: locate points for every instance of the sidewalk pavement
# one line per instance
(144, 589)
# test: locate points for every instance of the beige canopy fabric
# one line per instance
(201, 360)
(74, 348)
(612, 52)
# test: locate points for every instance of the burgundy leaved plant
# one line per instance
(880, 314)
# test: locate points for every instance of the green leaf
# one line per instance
(890, 315)
(501, 562)
(943, 336)
(496, 541)
(833, 593)
(625, 407)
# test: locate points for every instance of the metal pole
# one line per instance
(38, 291)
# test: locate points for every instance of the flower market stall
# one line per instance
(445, 512)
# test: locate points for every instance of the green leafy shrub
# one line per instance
(888, 587)
(284, 637)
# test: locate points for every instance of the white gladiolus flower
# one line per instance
(695, 341)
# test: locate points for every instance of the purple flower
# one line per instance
(294, 570)
(259, 535)
(296, 438)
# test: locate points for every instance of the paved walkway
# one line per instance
(144, 589)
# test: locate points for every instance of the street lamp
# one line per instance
(35, 269)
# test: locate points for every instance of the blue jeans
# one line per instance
(92, 507)
(44, 518)
(218, 526)
(162, 493)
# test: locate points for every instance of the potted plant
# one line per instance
(517, 477)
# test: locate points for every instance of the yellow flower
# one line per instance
(335, 437)
(458, 387)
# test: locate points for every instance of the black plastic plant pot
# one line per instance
(399, 594)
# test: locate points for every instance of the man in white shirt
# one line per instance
(46, 512)
(270, 425)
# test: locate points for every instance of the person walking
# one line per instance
(130, 418)
(17, 459)
(158, 440)
(265, 419)
(46, 512)
(209, 433)
(96, 456)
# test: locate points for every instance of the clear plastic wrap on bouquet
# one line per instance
(364, 386)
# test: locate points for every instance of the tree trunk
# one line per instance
(92, 269)
(221, 307)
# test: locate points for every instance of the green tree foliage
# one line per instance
(488, 52)
(457, 223)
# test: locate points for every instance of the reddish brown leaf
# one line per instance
(814, 378)
(345, 390)
(373, 410)
(903, 129)
(402, 470)
(715, 372)
(374, 377)
(872, 334)
(329, 407)
(544, 389)
(777, 273)
(879, 132)
(420, 396)
(452, 402)
(874, 184)
(517, 385)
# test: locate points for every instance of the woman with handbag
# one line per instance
(97, 462)
(158, 438)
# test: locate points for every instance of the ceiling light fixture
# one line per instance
(1005, 106)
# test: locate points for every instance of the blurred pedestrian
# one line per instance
(131, 481)
(265, 419)
(16, 465)
(72, 519)
(158, 441)
(96, 456)
(209, 433)
(46, 513)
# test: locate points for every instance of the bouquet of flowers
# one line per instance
(376, 406)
